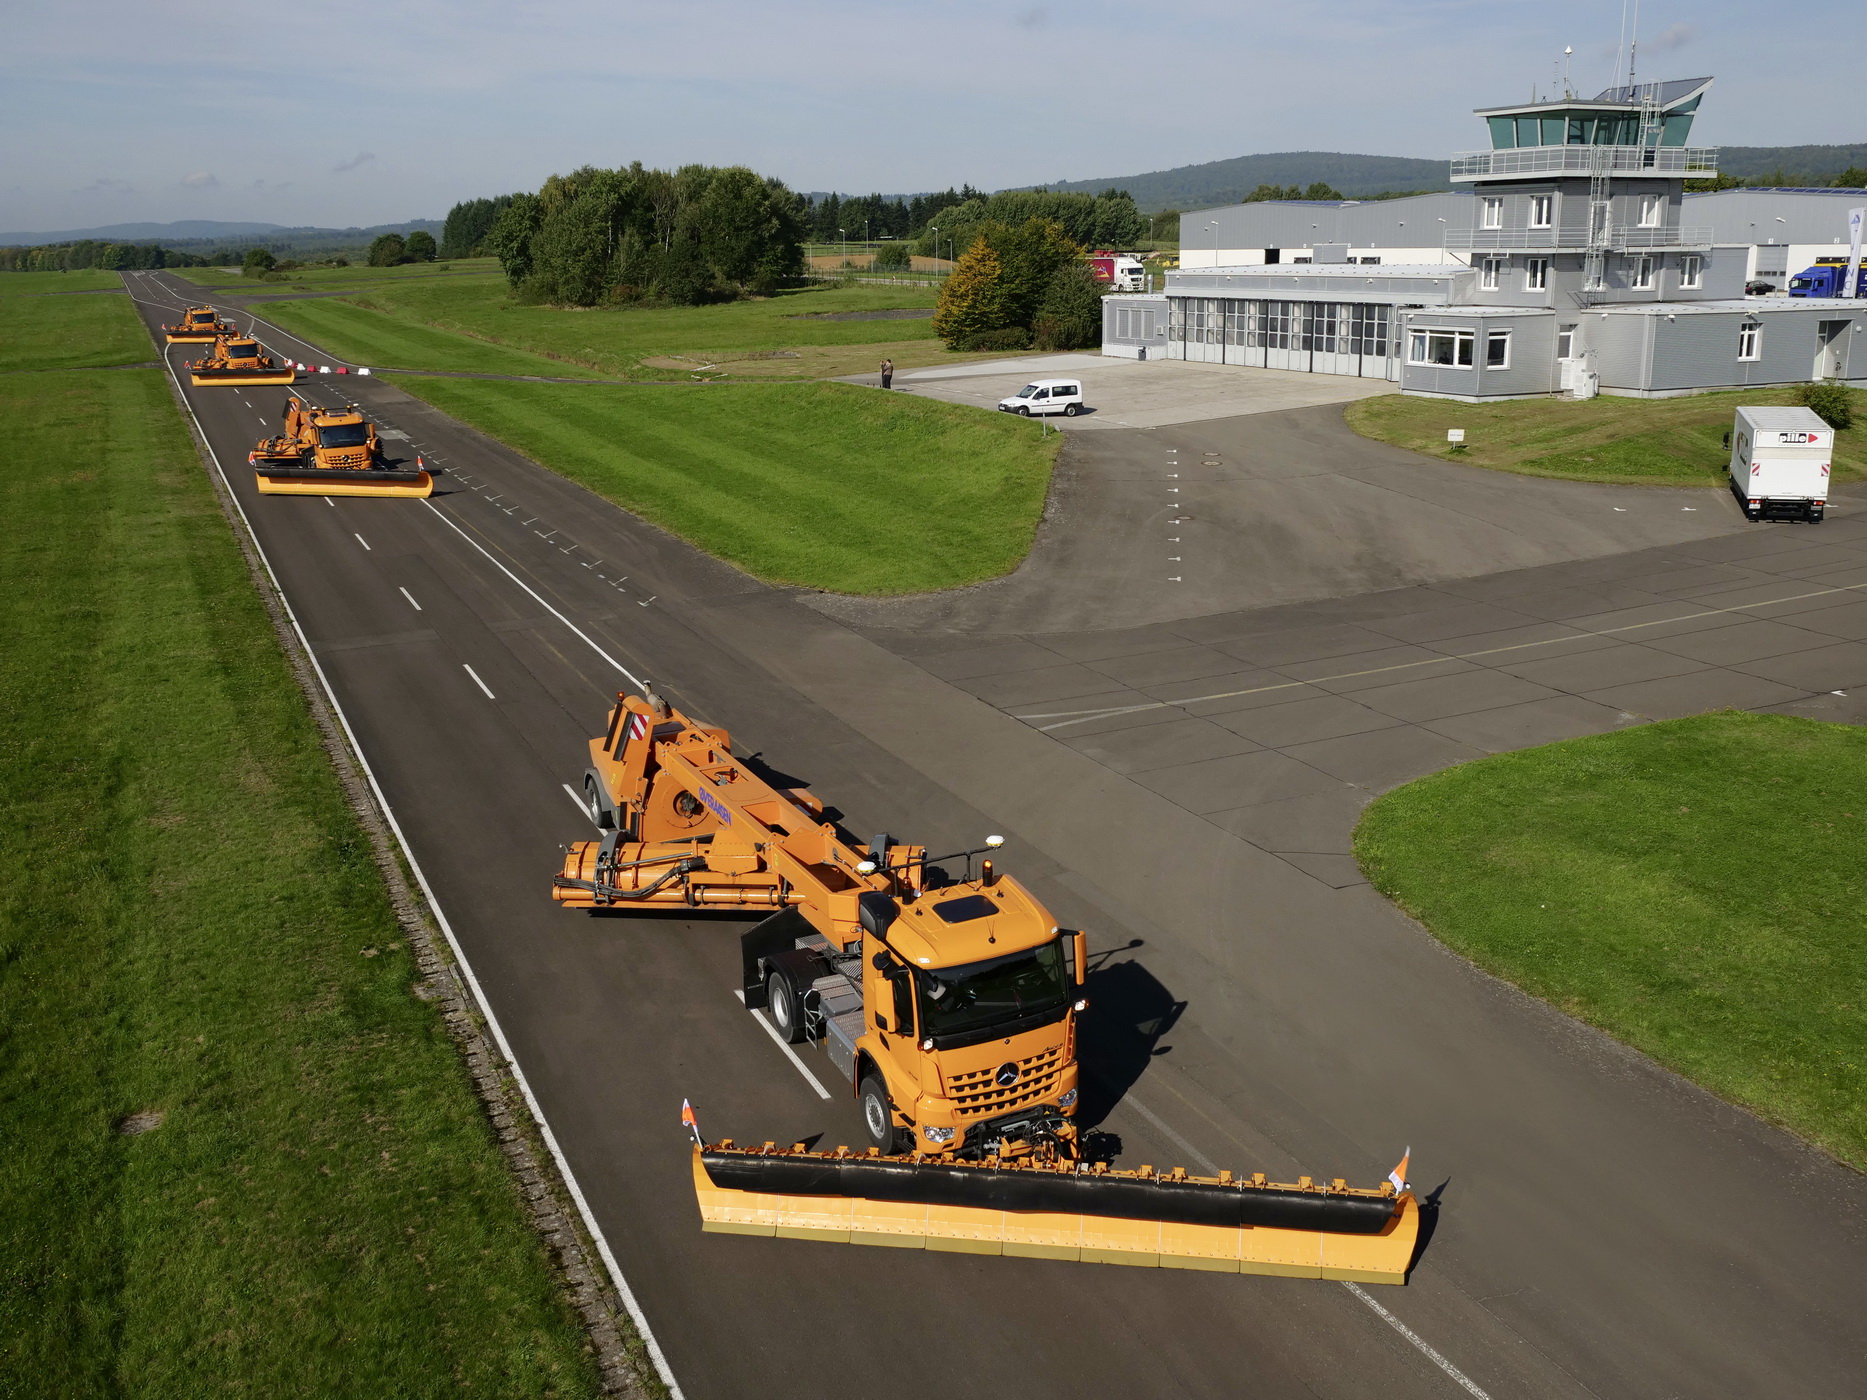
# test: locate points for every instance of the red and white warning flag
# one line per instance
(1399, 1174)
(692, 1123)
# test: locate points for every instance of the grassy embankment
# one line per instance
(191, 926)
(788, 336)
(317, 279)
(1634, 442)
(52, 333)
(822, 485)
(1696, 888)
(23, 284)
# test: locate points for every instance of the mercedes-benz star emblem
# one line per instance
(1007, 1075)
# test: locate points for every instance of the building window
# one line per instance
(1497, 350)
(1750, 341)
(1642, 279)
(1440, 347)
(1565, 343)
(1488, 274)
(1691, 272)
(1541, 207)
(1652, 209)
(1536, 275)
(1493, 212)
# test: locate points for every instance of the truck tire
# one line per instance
(593, 801)
(878, 1114)
(781, 1000)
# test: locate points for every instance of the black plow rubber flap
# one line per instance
(1060, 1193)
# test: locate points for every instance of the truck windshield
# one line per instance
(981, 994)
(242, 350)
(344, 435)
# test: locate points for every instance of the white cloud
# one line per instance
(201, 180)
(1676, 37)
(360, 158)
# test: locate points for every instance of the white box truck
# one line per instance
(1780, 459)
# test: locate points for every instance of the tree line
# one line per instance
(108, 257)
(697, 234)
(1020, 285)
(1106, 220)
(870, 216)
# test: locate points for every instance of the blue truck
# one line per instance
(1826, 279)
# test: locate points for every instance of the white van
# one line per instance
(1041, 396)
(1780, 461)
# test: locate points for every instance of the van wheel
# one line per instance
(781, 1002)
(1069, 410)
(595, 803)
(878, 1115)
(1024, 410)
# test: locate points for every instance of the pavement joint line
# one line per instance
(1069, 717)
(783, 1045)
(477, 681)
(629, 1301)
(582, 635)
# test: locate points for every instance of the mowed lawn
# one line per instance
(1696, 888)
(24, 284)
(1636, 442)
(194, 939)
(467, 323)
(822, 485)
(69, 332)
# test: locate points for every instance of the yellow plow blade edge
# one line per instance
(1374, 1244)
(290, 486)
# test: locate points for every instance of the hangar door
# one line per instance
(1319, 337)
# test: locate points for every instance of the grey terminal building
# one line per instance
(1568, 259)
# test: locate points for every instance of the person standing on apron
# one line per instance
(888, 374)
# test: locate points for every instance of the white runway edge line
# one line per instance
(638, 684)
(784, 1045)
(1211, 1168)
(629, 1302)
(582, 806)
(477, 681)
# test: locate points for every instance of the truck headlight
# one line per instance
(1067, 1099)
(940, 1135)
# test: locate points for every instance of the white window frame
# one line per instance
(1489, 272)
(1641, 278)
(1494, 338)
(1565, 342)
(1652, 210)
(1492, 211)
(1536, 274)
(1750, 340)
(1542, 210)
(1419, 346)
(1691, 272)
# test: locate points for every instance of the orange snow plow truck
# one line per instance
(332, 452)
(237, 359)
(950, 1007)
(198, 325)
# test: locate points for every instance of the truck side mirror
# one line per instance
(1080, 951)
(875, 911)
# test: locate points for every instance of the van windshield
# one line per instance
(976, 995)
(1029, 391)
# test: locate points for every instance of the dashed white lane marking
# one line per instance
(477, 681)
(1211, 1168)
(329, 502)
(582, 806)
(582, 635)
(411, 598)
(783, 1045)
(365, 543)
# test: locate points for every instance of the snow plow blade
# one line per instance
(215, 377)
(1065, 1210)
(340, 482)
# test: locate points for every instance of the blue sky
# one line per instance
(368, 111)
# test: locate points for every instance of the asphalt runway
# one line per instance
(1603, 1228)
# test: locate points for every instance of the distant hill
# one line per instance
(1357, 176)
(198, 234)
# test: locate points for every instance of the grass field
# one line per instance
(191, 926)
(1635, 442)
(313, 279)
(1696, 888)
(26, 284)
(464, 323)
(70, 332)
(821, 485)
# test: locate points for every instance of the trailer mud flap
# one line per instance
(1064, 1211)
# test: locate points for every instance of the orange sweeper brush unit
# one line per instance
(950, 1009)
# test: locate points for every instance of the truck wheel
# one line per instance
(595, 804)
(781, 1002)
(878, 1115)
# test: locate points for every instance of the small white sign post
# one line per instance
(1455, 435)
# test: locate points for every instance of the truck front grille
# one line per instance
(978, 1094)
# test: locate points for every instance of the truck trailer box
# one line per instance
(1780, 460)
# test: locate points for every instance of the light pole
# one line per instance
(936, 233)
(844, 237)
(1213, 224)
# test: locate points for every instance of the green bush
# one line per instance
(893, 257)
(1070, 315)
(1004, 338)
(1832, 403)
(420, 247)
(258, 263)
(387, 250)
